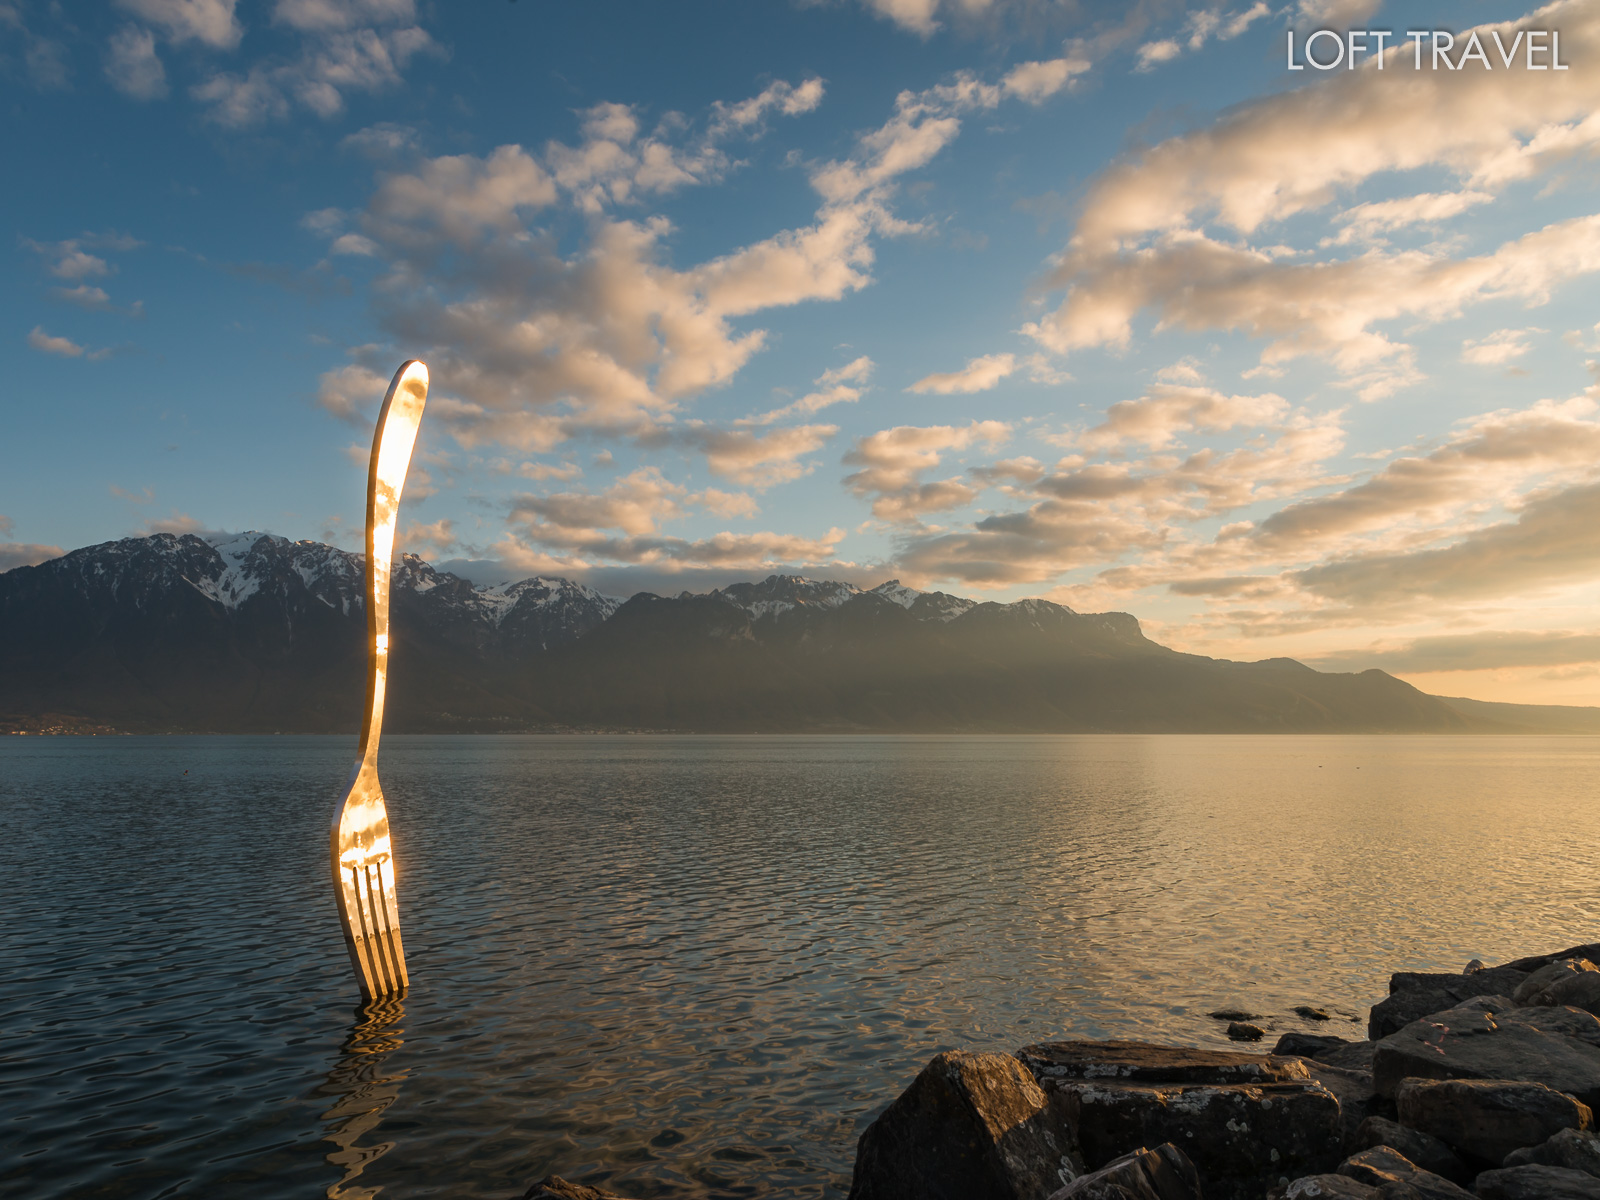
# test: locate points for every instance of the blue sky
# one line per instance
(1098, 302)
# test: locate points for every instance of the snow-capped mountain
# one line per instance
(779, 594)
(252, 632)
(258, 569)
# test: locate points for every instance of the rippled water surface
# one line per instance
(698, 966)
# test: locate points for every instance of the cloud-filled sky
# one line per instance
(1093, 301)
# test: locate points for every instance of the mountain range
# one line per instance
(256, 633)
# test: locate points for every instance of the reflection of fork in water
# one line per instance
(362, 1091)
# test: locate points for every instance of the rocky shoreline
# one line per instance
(1483, 1084)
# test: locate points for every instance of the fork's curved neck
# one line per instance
(386, 477)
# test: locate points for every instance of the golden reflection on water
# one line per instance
(362, 1092)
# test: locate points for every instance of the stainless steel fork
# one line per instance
(361, 854)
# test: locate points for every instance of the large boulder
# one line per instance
(1575, 1149)
(1390, 1171)
(1590, 950)
(970, 1127)
(1472, 1043)
(1141, 1062)
(1246, 1121)
(1572, 981)
(1164, 1173)
(1531, 990)
(1308, 1045)
(1357, 1056)
(1567, 1020)
(1357, 1098)
(1425, 1150)
(1486, 1119)
(1413, 995)
(1536, 1183)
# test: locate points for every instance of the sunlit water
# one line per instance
(698, 966)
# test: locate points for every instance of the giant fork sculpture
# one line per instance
(362, 859)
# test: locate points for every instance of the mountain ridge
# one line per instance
(255, 633)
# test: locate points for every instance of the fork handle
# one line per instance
(386, 478)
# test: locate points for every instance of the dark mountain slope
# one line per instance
(256, 633)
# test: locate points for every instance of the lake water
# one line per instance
(699, 966)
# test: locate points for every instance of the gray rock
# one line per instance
(1233, 1014)
(1357, 1056)
(1527, 966)
(1246, 1120)
(970, 1127)
(1532, 989)
(1164, 1173)
(1537, 1183)
(1577, 1150)
(1427, 1151)
(1413, 996)
(1573, 1022)
(1141, 1062)
(1486, 1119)
(1312, 1014)
(1307, 1045)
(1383, 1167)
(1324, 1187)
(1357, 1100)
(1468, 1043)
(1242, 1138)
(553, 1187)
(1243, 1031)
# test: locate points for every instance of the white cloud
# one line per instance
(50, 344)
(1152, 54)
(1325, 309)
(915, 15)
(427, 540)
(577, 525)
(329, 65)
(1087, 514)
(352, 393)
(1365, 222)
(857, 370)
(1169, 230)
(892, 462)
(1553, 541)
(324, 16)
(1336, 14)
(1499, 347)
(726, 504)
(758, 460)
(1488, 460)
(1156, 418)
(536, 345)
(84, 296)
(979, 375)
(566, 470)
(1185, 370)
(132, 65)
(26, 554)
(1023, 470)
(781, 96)
(1235, 25)
(1035, 82)
(839, 384)
(75, 264)
(636, 504)
(354, 244)
(211, 22)
(1477, 651)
